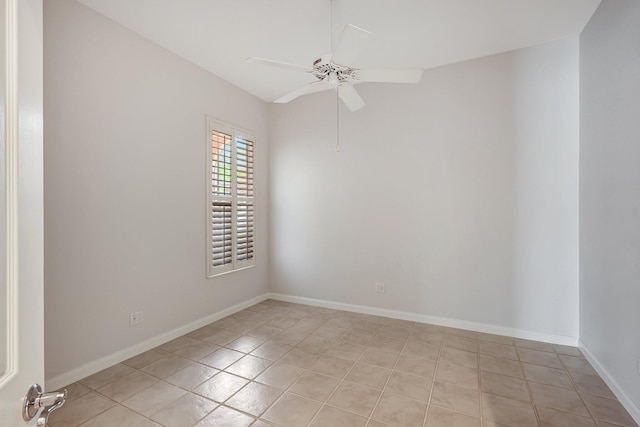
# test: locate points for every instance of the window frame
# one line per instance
(236, 133)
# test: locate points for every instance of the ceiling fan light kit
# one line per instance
(334, 71)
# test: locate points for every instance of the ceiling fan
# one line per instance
(335, 71)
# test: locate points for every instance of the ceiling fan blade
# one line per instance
(351, 43)
(350, 97)
(304, 90)
(389, 75)
(279, 64)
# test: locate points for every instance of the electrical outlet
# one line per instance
(136, 317)
(381, 288)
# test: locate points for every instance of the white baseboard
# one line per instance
(442, 321)
(629, 404)
(92, 367)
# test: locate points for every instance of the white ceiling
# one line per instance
(219, 35)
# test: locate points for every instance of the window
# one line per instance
(230, 198)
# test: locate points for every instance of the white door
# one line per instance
(21, 206)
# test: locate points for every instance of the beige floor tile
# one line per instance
(428, 327)
(378, 357)
(459, 357)
(221, 387)
(499, 339)
(290, 337)
(345, 351)
(545, 375)
(153, 399)
(411, 386)
(421, 349)
(399, 411)
(395, 331)
(178, 343)
(416, 365)
(143, 359)
(75, 390)
(185, 411)
(439, 417)
(369, 375)
(591, 384)
(498, 350)
(553, 418)
(292, 411)
(387, 343)
(577, 364)
(259, 423)
(371, 371)
(334, 417)
(608, 410)
(558, 398)
(116, 416)
(280, 375)
(271, 350)
(461, 343)
(315, 343)
(461, 333)
(457, 375)
(225, 417)
(533, 345)
(249, 367)
(606, 424)
(507, 412)
(197, 350)
(568, 350)
(254, 398)
(330, 332)
(356, 338)
(433, 338)
(496, 365)
(245, 344)
(127, 386)
(264, 332)
(106, 376)
(203, 332)
(281, 322)
(222, 337)
(315, 386)
(168, 365)
(299, 358)
(222, 358)
(502, 385)
(332, 366)
(455, 398)
(76, 412)
(355, 398)
(538, 357)
(193, 375)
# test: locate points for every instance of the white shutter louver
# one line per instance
(221, 234)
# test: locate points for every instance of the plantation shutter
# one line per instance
(244, 188)
(221, 200)
(231, 207)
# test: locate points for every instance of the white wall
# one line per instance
(125, 188)
(610, 195)
(460, 193)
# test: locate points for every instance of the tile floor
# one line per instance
(289, 365)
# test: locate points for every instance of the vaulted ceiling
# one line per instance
(219, 35)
